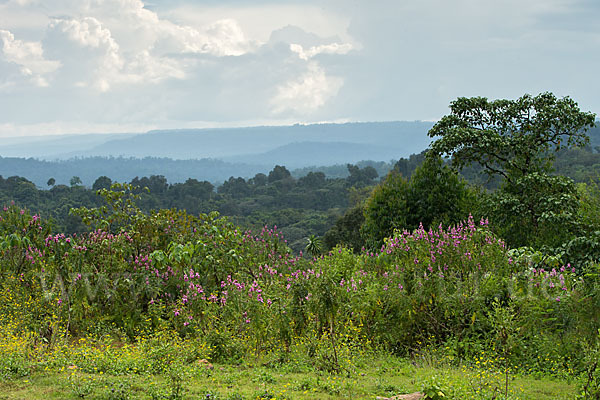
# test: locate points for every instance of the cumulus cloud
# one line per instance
(135, 26)
(307, 93)
(226, 38)
(89, 33)
(29, 56)
(220, 38)
(333, 48)
(117, 42)
(168, 63)
(111, 61)
(157, 60)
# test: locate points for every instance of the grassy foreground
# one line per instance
(379, 376)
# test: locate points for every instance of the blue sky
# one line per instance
(78, 66)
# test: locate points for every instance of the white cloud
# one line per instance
(259, 20)
(137, 28)
(87, 32)
(225, 38)
(127, 44)
(94, 47)
(146, 65)
(144, 68)
(333, 48)
(307, 93)
(109, 64)
(29, 56)
(220, 38)
(180, 63)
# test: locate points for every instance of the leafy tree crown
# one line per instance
(511, 138)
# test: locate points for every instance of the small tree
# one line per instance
(75, 181)
(434, 194)
(102, 182)
(279, 173)
(314, 245)
(361, 177)
(346, 230)
(437, 195)
(386, 209)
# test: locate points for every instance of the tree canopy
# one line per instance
(434, 194)
(511, 138)
(386, 209)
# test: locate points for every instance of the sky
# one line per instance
(105, 66)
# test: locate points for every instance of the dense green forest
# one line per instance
(300, 202)
(308, 205)
(122, 169)
(490, 287)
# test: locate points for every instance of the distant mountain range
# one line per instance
(207, 154)
(303, 154)
(308, 144)
(215, 154)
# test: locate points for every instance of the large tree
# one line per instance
(517, 140)
(511, 138)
